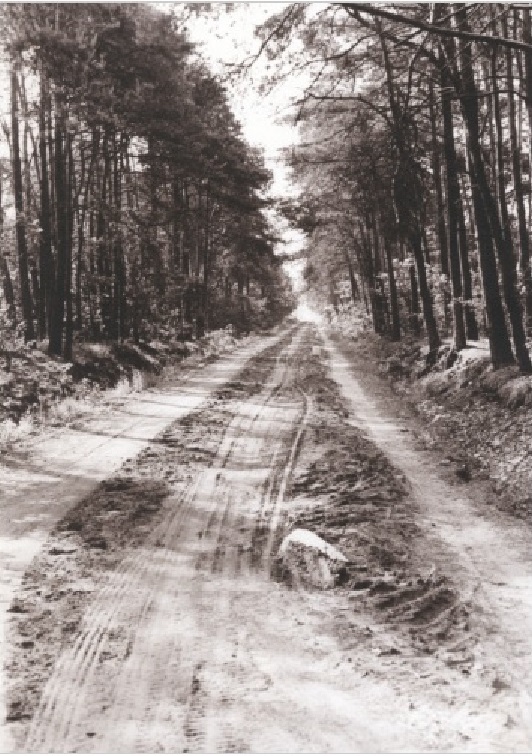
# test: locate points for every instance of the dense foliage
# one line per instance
(416, 164)
(131, 206)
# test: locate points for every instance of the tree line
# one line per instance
(138, 208)
(416, 165)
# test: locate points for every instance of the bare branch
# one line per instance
(374, 10)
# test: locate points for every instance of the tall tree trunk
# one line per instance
(436, 170)
(499, 145)
(57, 324)
(118, 263)
(453, 202)
(7, 283)
(500, 346)
(69, 211)
(46, 263)
(20, 223)
(408, 198)
(351, 273)
(377, 270)
(102, 234)
(469, 103)
(363, 275)
(370, 273)
(469, 311)
(206, 263)
(154, 250)
(395, 333)
(524, 243)
(527, 37)
(414, 302)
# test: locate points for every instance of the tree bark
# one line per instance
(20, 223)
(469, 311)
(524, 243)
(436, 170)
(408, 197)
(7, 283)
(69, 321)
(453, 201)
(414, 301)
(395, 333)
(46, 263)
(55, 345)
(469, 103)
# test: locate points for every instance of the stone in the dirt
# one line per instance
(59, 551)
(309, 560)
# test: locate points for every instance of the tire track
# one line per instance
(224, 660)
(88, 644)
(55, 719)
(220, 557)
(103, 614)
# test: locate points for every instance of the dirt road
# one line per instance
(160, 628)
(43, 479)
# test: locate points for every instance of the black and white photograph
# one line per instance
(265, 377)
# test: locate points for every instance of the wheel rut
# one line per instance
(139, 674)
(188, 645)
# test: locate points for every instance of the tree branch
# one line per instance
(354, 8)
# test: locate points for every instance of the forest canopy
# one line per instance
(415, 165)
(130, 204)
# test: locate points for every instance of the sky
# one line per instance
(227, 38)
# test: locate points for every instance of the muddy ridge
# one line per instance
(349, 493)
(157, 618)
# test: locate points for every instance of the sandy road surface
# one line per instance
(176, 609)
(189, 646)
(40, 484)
(487, 555)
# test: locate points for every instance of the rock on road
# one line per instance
(189, 646)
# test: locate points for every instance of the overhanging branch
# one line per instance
(374, 10)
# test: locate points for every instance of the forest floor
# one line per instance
(153, 616)
(479, 420)
(36, 389)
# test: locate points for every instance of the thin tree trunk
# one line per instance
(58, 309)
(469, 311)
(377, 270)
(46, 263)
(20, 223)
(370, 274)
(469, 103)
(414, 302)
(524, 244)
(453, 201)
(69, 323)
(7, 283)
(351, 273)
(436, 170)
(527, 37)
(102, 234)
(206, 264)
(395, 333)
